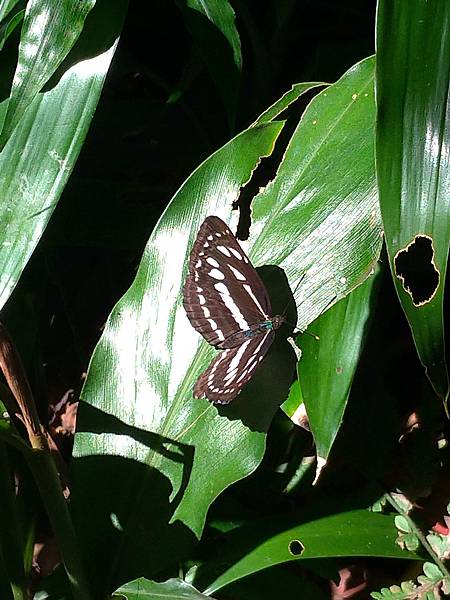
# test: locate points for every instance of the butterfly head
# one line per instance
(277, 321)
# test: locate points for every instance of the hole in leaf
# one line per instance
(414, 266)
(296, 548)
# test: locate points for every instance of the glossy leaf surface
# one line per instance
(328, 365)
(48, 33)
(158, 456)
(413, 160)
(39, 157)
(319, 218)
(254, 548)
(170, 455)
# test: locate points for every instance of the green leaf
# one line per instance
(48, 33)
(413, 135)
(6, 7)
(172, 589)
(39, 157)
(9, 26)
(319, 218)
(177, 453)
(328, 365)
(273, 541)
(216, 44)
(149, 458)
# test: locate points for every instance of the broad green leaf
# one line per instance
(172, 589)
(153, 456)
(413, 165)
(39, 157)
(328, 365)
(48, 33)
(319, 218)
(158, 456)
(266, 543)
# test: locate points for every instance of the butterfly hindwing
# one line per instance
(223, 293)
(232, 369)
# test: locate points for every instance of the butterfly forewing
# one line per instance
(223, 293)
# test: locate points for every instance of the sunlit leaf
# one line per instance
(48, 33)
(413, 165)
(39, 157)
(169, 455)
(319, 218)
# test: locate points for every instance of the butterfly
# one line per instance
(228, 304)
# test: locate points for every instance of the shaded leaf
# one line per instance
(328, 365)
(221, 13)
(6, 7)
(9, 26)
(252, 548)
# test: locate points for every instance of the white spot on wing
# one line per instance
(237, 273)
(212, 261)
(210, 237)
(198, 263)
(224, 250)
(249, 291)
(201, 299)
(206, 311)
(213, 324)
(237, 254)
(237, 357)
(231, 305)
(216, 274)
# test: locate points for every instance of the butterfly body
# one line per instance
(227, 302)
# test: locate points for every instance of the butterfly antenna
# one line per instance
(293, 296)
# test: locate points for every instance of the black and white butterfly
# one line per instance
(227, 302)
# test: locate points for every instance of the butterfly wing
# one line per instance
(232, 369)
(223, 294)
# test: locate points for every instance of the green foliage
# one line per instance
(431, 585)
(172, 496)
